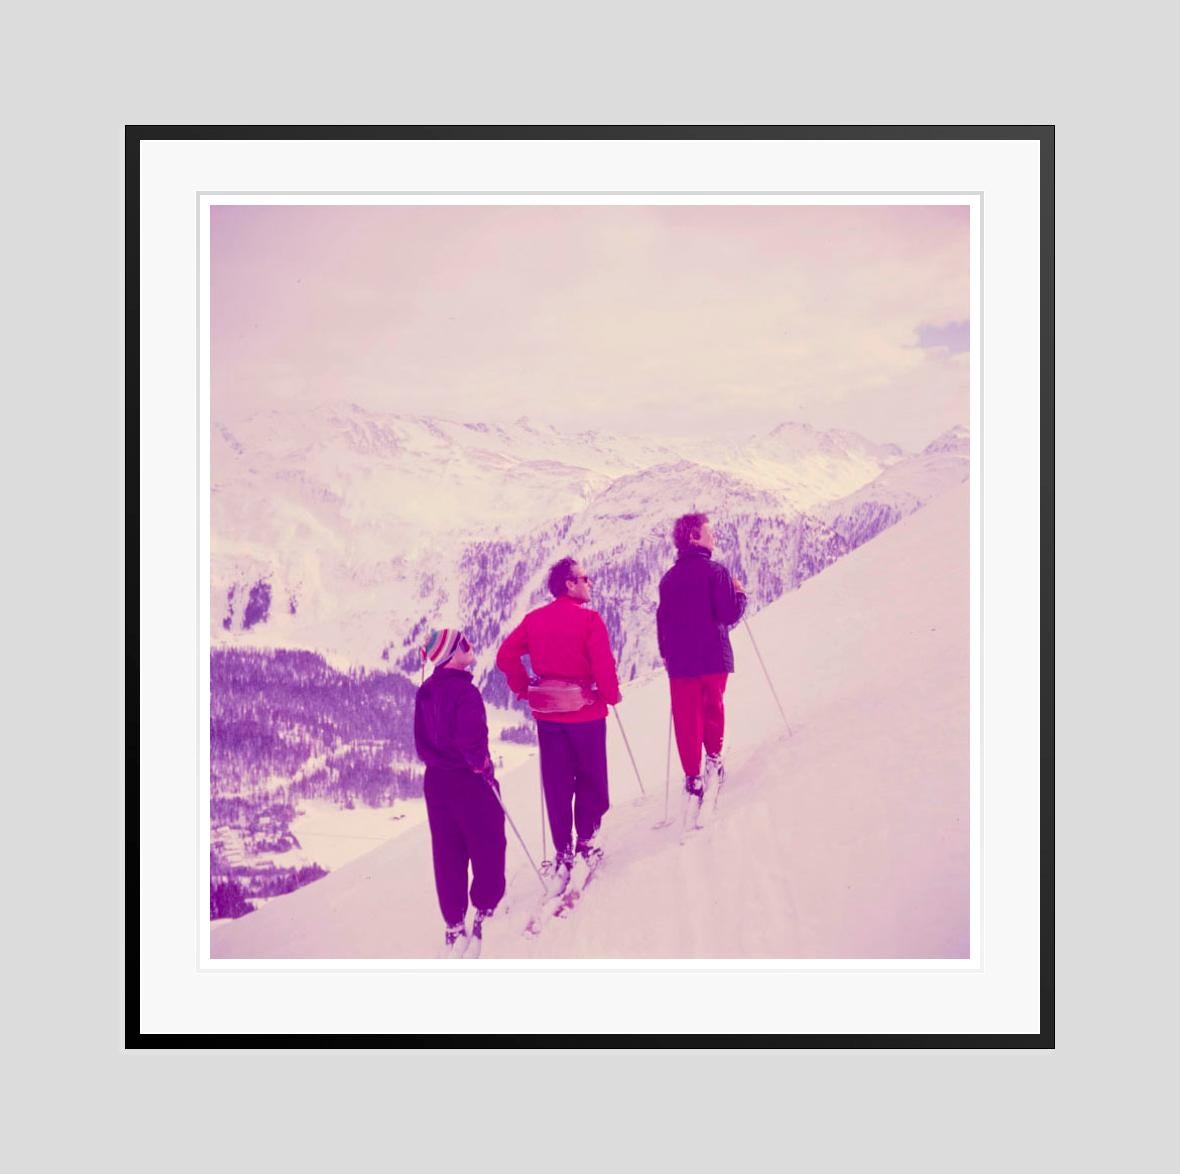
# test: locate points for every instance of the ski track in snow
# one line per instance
(848, 839)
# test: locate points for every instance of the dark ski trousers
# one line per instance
(698, 715)
(573, 773)
(466, 828)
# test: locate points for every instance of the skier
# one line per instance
(575, 680)
(699, 602)
(466, 819)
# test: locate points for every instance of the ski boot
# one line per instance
(589, 852)
(694, 795)
(587, 858)
(476, 947)
(563, 864)
(456, 940)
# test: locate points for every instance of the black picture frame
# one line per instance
(136, 1038)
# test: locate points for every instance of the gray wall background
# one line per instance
(76, 75)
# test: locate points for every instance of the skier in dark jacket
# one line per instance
(699, 602)
(466, 819)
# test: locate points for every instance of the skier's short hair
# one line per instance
(688, 527)
(561, 570)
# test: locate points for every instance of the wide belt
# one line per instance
(550, 695)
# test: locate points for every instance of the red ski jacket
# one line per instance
(565, 640)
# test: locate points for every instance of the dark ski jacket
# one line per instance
(450, 723)
(698, 606)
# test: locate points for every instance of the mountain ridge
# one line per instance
(359, 528)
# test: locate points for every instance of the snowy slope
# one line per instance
(848, 839)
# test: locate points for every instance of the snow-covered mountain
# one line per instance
(348, 532)
(847, 838)
(901, 489)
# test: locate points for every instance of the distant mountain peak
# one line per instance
(956, 439)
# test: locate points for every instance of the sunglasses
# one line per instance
(579, 578)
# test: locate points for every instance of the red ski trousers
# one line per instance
(698, 715)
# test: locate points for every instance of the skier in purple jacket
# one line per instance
(699, 602)
(466, 819)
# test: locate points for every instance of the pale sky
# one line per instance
(716, 320)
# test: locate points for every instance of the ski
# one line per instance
(693, 801)
(559, 904)
(583, 873)
(696, 806)
(536, 921)
(546, 907)
(715, 783)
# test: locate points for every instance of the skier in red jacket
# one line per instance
(575, 679)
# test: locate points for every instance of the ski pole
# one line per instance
(767, 675)
(668, 768)
(517, 831)
(628, 745)
(544, 845)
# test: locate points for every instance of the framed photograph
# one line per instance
(590, 566)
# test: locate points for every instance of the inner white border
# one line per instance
(173, 172)
(205, 202)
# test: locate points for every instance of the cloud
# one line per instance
(708, 316)
(952, 337)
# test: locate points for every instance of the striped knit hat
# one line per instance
(440, 646)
